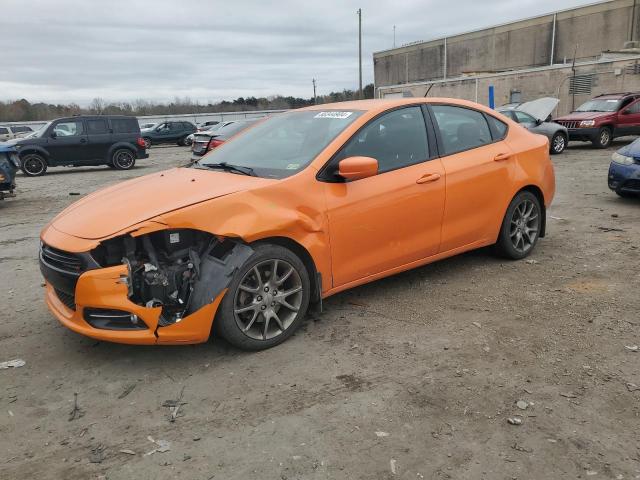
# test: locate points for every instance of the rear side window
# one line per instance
(4, 131)
(635, 108)
(96, 126)
(396, 139)
(461, 128)
(124, 125)
(498, 127)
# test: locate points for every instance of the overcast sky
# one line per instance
(209, 50)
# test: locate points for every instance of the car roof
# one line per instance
(93, 117)
(617, 95)
(380, 105)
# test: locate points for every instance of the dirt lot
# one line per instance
(410, 377)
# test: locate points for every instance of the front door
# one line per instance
(393, 218)
(67, 142)
(629, 120)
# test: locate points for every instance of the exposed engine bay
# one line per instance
(178, 270)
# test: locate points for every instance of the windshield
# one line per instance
(39, 132)
(284, 144)
(603, 105)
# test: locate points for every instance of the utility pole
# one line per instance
(394, 36)
(360, 52)
(314, 91)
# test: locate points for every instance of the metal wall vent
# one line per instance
(582, 84)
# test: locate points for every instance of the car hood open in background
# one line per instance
(113, 209)
(541, 108)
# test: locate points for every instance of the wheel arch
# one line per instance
(303, 254)
(118, 146)
(35, 149)
(537, 191)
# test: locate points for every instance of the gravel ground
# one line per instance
(410, 377)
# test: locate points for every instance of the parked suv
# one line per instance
(8, 132)
(604, 118)
(168, 132)
(112, 140)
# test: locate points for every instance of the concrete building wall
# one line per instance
(609, 77)
(519, 45)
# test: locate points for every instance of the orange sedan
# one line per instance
(301, 206)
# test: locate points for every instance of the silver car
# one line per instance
(10, 132)
(535, 116)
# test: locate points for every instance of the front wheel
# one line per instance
(520, 227)
(604, 138)
(34, 165)
(558, 143)
(123, 159)
(266, 299)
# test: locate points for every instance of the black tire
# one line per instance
(604, 138)
(123, 159)
(519, 235)
(622, 194)
(183, 142)
(228, 322)
(147, 142)
(33, 165)
(558, 143)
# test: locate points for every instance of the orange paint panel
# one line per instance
(194, 328)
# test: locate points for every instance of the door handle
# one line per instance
(501, 157)
(428, 178)
(83, 140)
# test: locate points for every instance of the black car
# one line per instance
(168, 132)
(112, 140)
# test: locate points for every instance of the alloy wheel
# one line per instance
(268, 299)
(558, 143)
(123, 159)
(33, 165)
(604, 137)
(525, 223)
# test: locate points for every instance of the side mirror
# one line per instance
(626, 112)
(54, 134)
(538, 121)
(355, 168)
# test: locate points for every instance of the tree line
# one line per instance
(23, 111)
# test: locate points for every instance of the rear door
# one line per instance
(629, 120)
(99, 139)
(476, 162)
(67, 142)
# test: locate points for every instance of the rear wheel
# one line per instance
(520, 227)
(558, 143)
(604, 138)
(123, 159)
(33, 165)
(266, 299)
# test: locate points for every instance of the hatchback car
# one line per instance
(112, 140)
(624, 171)
(303, 205)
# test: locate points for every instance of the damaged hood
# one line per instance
(113, 209)
(539, 109)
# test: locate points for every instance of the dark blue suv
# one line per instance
(9, 164)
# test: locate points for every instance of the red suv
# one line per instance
(603, 118)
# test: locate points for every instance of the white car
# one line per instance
(9, 132)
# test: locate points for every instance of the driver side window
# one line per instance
(396, 139)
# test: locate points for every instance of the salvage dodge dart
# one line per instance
(303, 205)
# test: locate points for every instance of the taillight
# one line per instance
(141, 142)
(215, 143)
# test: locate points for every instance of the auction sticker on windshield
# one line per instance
(333, 115)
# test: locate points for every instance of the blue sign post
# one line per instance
(492, 102)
